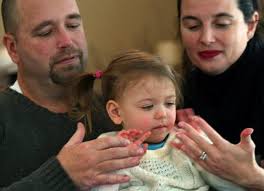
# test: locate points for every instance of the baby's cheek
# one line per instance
(142, 124)
(145, 124)
(172, 118)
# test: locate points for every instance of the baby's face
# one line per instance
(149, 105)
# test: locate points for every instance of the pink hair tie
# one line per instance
(98, 74)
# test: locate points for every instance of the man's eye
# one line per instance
(44, 33)
(73, 26)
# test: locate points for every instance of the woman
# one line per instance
(224, 45)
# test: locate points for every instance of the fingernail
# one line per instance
(126, 142)
(180, 124)
(140, 150)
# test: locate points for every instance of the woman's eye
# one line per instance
(222, 25)
(193, 28)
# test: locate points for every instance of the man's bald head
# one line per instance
(10, 16)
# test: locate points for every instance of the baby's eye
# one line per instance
(147, 107)
(170, 104)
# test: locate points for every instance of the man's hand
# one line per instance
(90, 163)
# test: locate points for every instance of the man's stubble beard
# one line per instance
(64, 75)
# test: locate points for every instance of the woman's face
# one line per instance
(214, 33)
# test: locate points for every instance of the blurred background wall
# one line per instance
(115, 25)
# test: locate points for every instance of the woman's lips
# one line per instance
(209, 54)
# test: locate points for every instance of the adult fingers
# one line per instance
(77, 136)
(120, 152)
(202, 142)
(187, 145)
(217, 139)
(245, 136)
(189, 112)
(245, 140)
(184, 114)
(181, 115)
(117, 164)
(143, 137)
(108, 142)
(111, 178)
(104, 179)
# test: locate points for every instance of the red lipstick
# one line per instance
(208, 54)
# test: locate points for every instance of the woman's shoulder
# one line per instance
(255, 54)
(253, 61)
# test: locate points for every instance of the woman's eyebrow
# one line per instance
(224, 15)
(189, 17)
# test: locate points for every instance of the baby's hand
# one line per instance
(136, 137)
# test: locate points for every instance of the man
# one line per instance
(40, 147)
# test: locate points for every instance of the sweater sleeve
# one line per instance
(217, 182)
(49, 177)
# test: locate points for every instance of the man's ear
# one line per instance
(252, 25)
(113, 111)
(10, 43)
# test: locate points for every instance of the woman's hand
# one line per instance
(235, 162)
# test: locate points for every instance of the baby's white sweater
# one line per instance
(165, 169)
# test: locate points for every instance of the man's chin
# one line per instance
(65, 78)
(63, 74)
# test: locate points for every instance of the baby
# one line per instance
(141, 94)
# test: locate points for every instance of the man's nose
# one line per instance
(64, 39)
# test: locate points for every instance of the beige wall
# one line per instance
(115, 25)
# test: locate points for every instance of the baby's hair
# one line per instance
(124, 70)
(129, 67)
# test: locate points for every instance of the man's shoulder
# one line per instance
(6, 97)
(9, 100)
